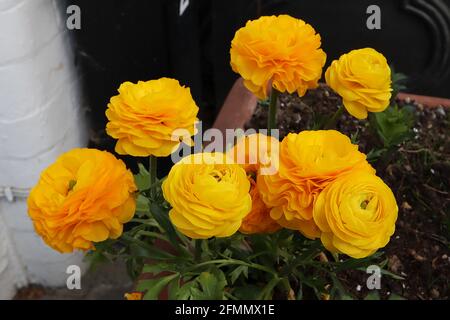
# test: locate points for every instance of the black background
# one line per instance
(146, 39)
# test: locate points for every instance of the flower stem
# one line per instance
(272, 117)
(152, 169)
(331, 124)
(198, 249)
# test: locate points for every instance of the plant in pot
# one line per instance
(266, 219)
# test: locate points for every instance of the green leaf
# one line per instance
(361, 264)
(158, 268)
(162, 217)
(141, 249)
(398, 82)
(211, 286)
(247, 292)
(373, 295)
(142, 179)
(267, 292)
(153, 287)
(173, 288)
(236, 273)
(142, 205)
(338, 290)
(393, 125)
(392, 275)
(185, 291)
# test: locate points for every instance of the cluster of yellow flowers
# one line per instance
(322, 186)
(87, 195)
(284, 52)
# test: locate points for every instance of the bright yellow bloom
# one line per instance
(356, 214)
(258, 154)
(84, 197)
(209, 197)
(281, 49)
(151, 118)
(363, 79)
(309, 161)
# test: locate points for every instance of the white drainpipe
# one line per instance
(40, 118)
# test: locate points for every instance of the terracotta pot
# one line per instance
(240, 104)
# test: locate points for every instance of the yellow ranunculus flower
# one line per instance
(85, 196)
(356, 214)
(309, 161)
(258, 220)
(209, 196)
(258, 154)
(363, 79)
(151, 118)
(281, 49)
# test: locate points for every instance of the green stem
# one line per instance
(198, 249)
(224, 262)
(272, 117)
(152, 169)
(331, 124)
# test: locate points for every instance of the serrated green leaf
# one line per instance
(211, 286)
(236, 273)
(185, 291)
(153, 287)
(142, 179)
(393, 125)
(142, 204)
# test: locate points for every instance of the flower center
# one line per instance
(72, 184)
(218, 174)
(364, 203)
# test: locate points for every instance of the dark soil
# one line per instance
(418, 173)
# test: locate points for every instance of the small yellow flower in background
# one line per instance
(363, 79)
(309, 161)
(133, 296)
(209, 196)
(258, 220)
(84, 197)
(281, 49)
(257, 153)
(145, 117)
(356, 214)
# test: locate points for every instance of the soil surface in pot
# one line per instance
(419, 175)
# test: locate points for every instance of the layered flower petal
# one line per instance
(356, 214)
(363, 79)
(84, 197)
(258, 155)
(151, 118)
(309, 161)
(209, 196)
(281, 50)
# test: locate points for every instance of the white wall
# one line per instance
(41, 116)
